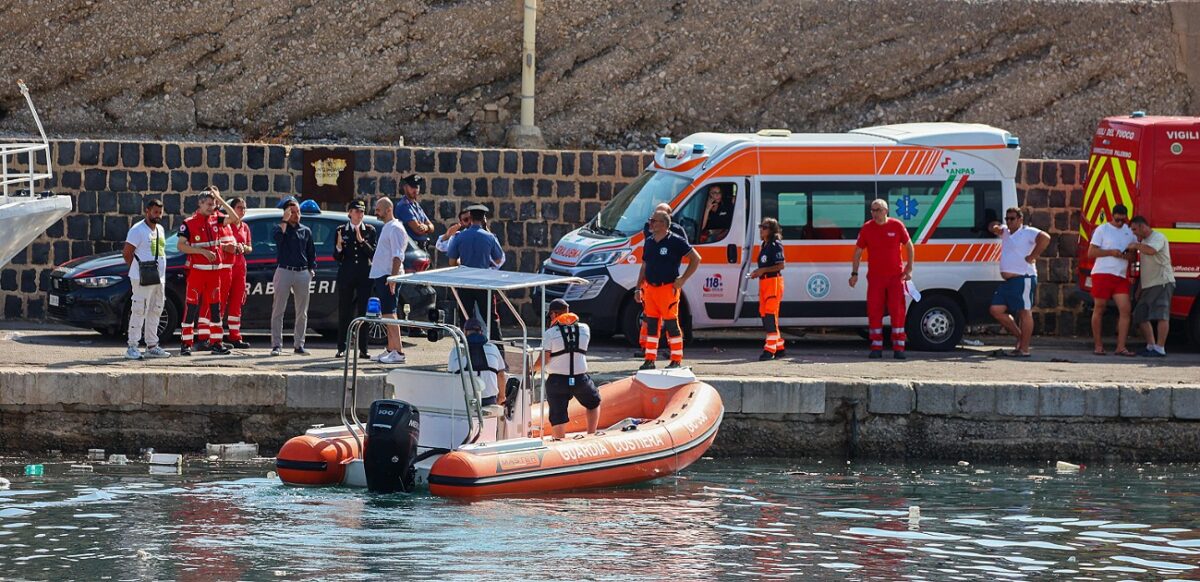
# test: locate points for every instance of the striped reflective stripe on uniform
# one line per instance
(206, 267)
(676, 343)
(235, 323)
(898, 338)
(773, 342)
(876, 335)
(651, 347)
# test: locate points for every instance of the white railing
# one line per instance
(10, 173)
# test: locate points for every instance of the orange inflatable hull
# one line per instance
(316, 460)
(678, 426)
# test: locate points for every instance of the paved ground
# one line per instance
(24, 345)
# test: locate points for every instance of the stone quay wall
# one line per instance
(44, 410)
(537, 196)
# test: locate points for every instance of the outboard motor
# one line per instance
(392, 432)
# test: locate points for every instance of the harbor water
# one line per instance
(721, 519)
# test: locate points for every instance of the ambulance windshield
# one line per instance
(629, 209)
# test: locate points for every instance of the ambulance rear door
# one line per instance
(719, 233)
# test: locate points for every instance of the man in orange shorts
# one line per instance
(658, 286)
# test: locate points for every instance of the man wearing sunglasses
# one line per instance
(1012, 304)
(1109, 248)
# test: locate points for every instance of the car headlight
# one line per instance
(98, 282)
(604, 258)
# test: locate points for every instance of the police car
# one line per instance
(93, 292)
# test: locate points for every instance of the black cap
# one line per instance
(414, 180)
(357, 205)
(559, 305)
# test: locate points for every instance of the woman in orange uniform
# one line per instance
(770, 286)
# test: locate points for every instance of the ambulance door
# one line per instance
(714, 218)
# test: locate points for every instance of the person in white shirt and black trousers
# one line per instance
(145, 252)
(566, 342)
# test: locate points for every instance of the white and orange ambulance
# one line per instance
(945, 181)
(1150, 164)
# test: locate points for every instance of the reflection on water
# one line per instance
(721, 519)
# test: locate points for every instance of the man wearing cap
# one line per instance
(410, 213)
(486, 362)
(295, 268)
(566, 343)
(658, 287)
(477, 248)
(882, 238)
(199, 239)
(146, 243)
(388, 261)
(353, 247)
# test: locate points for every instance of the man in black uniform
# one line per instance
(659, 284)
(353, 247)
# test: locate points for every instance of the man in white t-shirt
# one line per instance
(146, 243)
(1110, 248)
(1012, 304)
(486, 362)
(387, 262)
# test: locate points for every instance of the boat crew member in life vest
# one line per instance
(199, 239)
(658, 287)
(566, 342)
(886, 273)
(770, 286)
(486, 363)
(676, 228)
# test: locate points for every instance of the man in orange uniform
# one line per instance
(886, 274)
(199, 238)
(233, 277)
(658, 286)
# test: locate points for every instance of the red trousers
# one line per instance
(233, 298)
(886, 292)
(203, 290)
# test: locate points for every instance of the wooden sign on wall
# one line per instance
(329, 175)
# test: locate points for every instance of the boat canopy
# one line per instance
(484, 279)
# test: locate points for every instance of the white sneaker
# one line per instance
(381, 355)
(157, 352)
(132, 353)
(392, 358)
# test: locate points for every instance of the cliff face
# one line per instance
(610, 72)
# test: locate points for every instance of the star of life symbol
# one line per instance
(907, 207)
(818, 286)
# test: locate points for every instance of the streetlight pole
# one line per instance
(527, 135)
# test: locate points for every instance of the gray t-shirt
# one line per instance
(1156, 268)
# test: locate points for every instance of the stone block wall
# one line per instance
(537, 196)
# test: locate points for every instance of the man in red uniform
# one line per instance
(233, 277)
(199, 238)
(886, 274)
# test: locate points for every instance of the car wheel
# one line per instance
(168, 322)
(935, 324)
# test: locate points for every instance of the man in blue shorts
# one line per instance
(1012, 304)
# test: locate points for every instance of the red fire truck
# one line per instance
(1150, 164)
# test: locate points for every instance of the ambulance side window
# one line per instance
(692, 216)
(817, 210)
(967, 216)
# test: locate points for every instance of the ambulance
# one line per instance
(946, 181)
(1151, 164)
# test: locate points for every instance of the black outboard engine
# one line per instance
(392, 432)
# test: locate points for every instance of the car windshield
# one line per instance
(628, 211)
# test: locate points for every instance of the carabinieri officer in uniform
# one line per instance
(658, 287)
(353, 247)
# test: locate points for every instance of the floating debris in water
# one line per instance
(96, 455)
(143, 555)
(83, 468)
(963, 464)
(115, 459)
(272, 475)
(4, 483)
(1065, 467)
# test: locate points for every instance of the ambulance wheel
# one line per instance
(935, 324)
(630, 322)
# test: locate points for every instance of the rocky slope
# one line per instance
(612, 73)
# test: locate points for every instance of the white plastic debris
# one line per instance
(971, 342)
(914, 516)
(964, 464)
(4, 483)
(115, 459)
(81, 468)
(272, 475)
(142, 555)
(96, 455)
(1065, 467)
(166, 459)
(240, 451)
